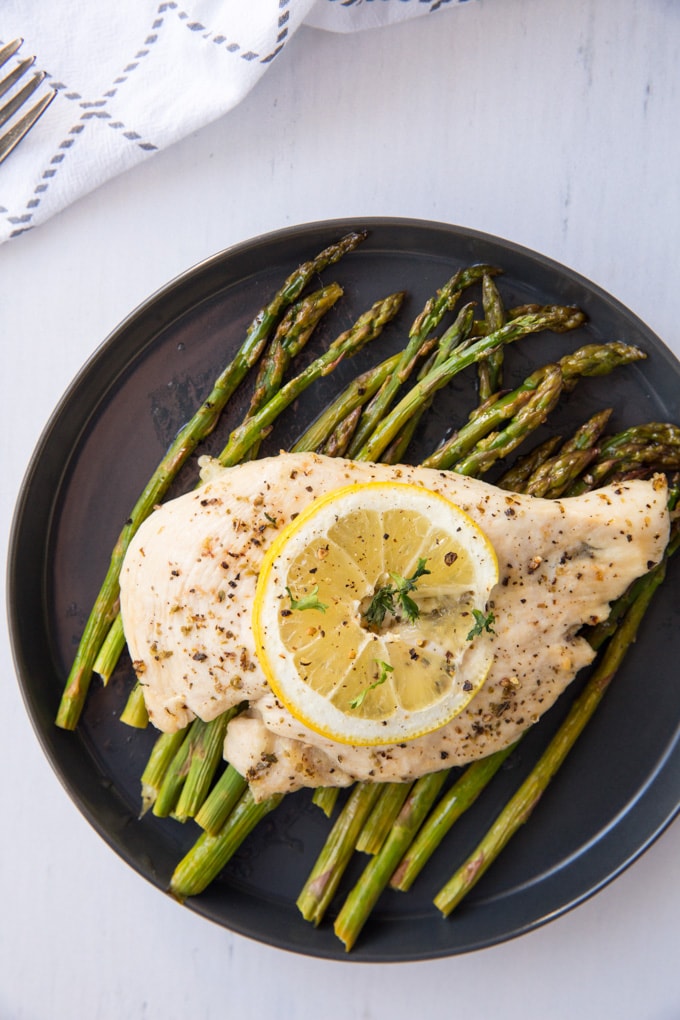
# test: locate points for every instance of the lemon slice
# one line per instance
(371, 615)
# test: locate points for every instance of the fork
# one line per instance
(13, 134)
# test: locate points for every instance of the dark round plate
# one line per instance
(621, 785)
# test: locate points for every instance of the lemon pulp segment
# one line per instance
(335, 667)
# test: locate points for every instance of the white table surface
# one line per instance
(550, 122)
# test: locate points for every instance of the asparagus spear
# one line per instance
(323, 880)
(590, 360)
(548, 479)
(292, 334)
(391, 425)
(517, 476)
(375, 876)
(326, 797)
(177, 771)
(206, 755)
(499, 444)
(430, 317)
(520, 807)
(338, 442)
(491, 368)
(366, 328)
(336, 854)
(382, 817)
(162, 754)
(210, 853)
(461, 796)
(219, 803)
(109, 653)
(356, 394)
(453, 339)
(134, 712)
(105, 607)
(655, 444)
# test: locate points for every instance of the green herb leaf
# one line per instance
(383, 600)
(385, 668)
(309, 601)
(483, 621)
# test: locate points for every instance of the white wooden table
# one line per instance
(554, 124)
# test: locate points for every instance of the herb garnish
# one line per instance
(483, 621)
(383, 600)
(309, 601)
(385, 668)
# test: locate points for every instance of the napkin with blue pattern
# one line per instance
(134, 76)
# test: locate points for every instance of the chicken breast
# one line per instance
(189, 577)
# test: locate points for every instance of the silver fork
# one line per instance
(18, 98)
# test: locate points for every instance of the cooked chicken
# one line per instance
(189, 577)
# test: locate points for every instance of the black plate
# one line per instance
(614, 795)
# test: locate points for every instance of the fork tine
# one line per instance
(18, 100)
(12, 138)
(14, 75)
(9, 49)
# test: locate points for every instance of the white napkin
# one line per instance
(134, 76)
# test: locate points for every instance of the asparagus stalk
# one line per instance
(382, 817)
(134, 712)
(162, 754)
(443, 301)
(375, 876)
(520, 807)
(109, 653)
(366, 328)
(206, 755)
(490, 369)
(391, 425)
(326, 797)
(453, 339)
(105, 608)
(210, 853)
(324, 878)
(356, 394)
(338, 442)
(550, 478)
(293, 332)
(455, 802)
(177, 771)
(219, 803)
(590, 360)
(189, 774)
(594, 360)
(499, 444)
(516, 477)
(653, 445)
